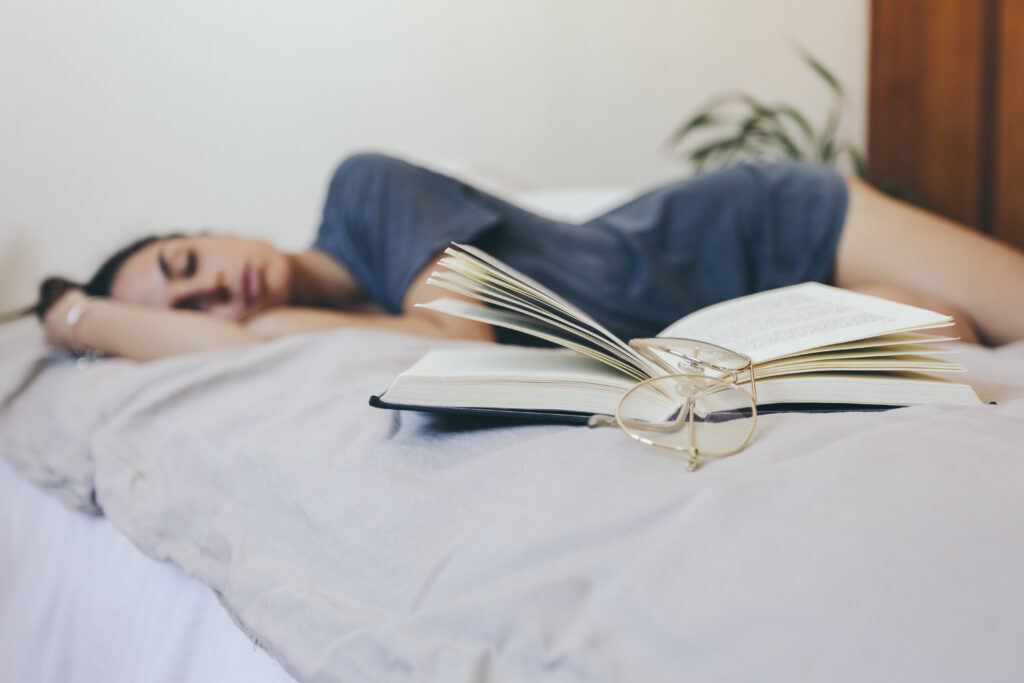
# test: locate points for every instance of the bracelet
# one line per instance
(73, 317)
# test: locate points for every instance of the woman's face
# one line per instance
(229, 277)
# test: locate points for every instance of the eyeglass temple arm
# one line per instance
(683, 413)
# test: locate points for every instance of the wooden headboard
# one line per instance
(946, 108)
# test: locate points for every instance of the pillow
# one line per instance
(50, 404)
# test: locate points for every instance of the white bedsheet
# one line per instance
(359, 544)
(80, 604)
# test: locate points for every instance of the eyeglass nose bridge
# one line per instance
(646, 348)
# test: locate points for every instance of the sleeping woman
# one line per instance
(635, 269)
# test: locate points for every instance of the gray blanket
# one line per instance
(358, 544)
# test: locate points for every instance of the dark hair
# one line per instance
(53, 288)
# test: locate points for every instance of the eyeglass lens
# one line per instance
(684, 411)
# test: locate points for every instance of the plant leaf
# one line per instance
(701, 119)
(757, 105)
(709, 114)
(820, 69)
(798, 118)
(827, 152)
(717, 153)
(710, 148)
(787, 145)
(778, 114)
(749, 128)
(856, 159)
(776, 135)
(827, 141)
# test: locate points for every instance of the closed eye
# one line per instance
(190, 263)
(188, 304)
(178, 271)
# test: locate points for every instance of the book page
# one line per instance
(789, 320)
(489, 294)
(516, 364)
(554, 379)
(926, 343)
(482, 276)
(510, 378)
(528, 285)
(866, 389)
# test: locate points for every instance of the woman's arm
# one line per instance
(145, 333)
(278, 322)
(138, 332)
(925, 259)
(289, 320)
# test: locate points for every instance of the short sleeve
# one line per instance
(384, 219)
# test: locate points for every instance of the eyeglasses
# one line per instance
(698, 408)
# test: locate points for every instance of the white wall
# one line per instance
(122, 117)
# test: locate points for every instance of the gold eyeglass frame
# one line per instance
(693, 368)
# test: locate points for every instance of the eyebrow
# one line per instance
(162, 261)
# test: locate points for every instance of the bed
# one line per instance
(80, 603)
(261, 522)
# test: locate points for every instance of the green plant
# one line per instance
(741, 127)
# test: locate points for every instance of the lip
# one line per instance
(252, 284)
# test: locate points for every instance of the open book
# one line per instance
(811, 345)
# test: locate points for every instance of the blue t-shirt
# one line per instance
(635, 269)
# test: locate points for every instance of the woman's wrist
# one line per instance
(68, 321)
(72, 319)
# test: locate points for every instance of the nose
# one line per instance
(207, 289)
(214, 286)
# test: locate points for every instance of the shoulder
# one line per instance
(755, 183)
(358, 173)
(774, 174)
(355, 188)
(777, 185)
(798, 176)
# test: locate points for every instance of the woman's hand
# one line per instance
(55, 321)
(116, 328)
